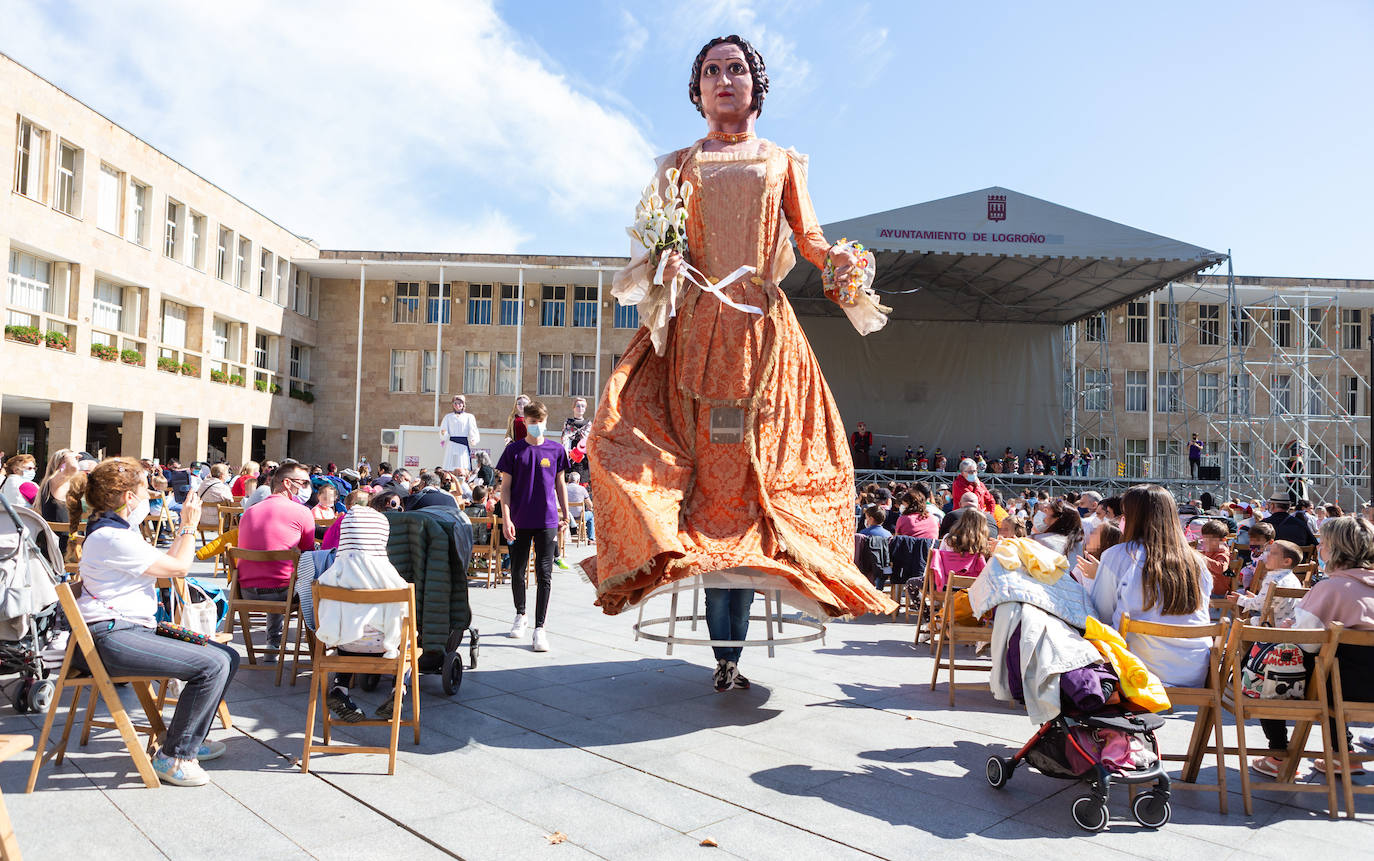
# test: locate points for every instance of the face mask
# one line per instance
(971, 476)
(138, 515)
(303, 495)
(1038, 522)
(535, 430)
(28, 474)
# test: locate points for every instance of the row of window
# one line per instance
(437, 300)
(1170, 459)
(1097, 393)
(1286, 326)
(124, 208)
(559, 374)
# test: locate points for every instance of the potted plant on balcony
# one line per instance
(302, 395)
(167, 363)
(131, 357)
(276, 388)
(24, 334)
(236, 380)
(219, 376)
(260, 385)
(104, 352)
(57, 340)
(189, 370)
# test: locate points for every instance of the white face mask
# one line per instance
(139, 514)
(303, 495)
(28, 474)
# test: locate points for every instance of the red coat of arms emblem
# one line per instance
(997, 207)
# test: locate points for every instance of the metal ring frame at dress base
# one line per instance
(772, 615)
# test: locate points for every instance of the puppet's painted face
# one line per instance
(727, 87)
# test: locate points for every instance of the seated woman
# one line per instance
(1156, 577)
(1104, 537)
(1063, 531)
(916, 519)
(118, 601)
(963, 551)
(1346, 596)
(18, 485)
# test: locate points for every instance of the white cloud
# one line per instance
(426, 125)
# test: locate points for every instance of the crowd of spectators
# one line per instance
(1045, 460)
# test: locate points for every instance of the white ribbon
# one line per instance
(697, 277)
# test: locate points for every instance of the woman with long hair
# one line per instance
(1156, 577)
(916, 519)
(1063, 530)
(52, 490)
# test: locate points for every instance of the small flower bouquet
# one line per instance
(661, 220)
(860, 277)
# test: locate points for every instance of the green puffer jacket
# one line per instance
(423, 549)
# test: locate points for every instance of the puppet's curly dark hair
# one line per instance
(757, 72)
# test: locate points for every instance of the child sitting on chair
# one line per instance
(360, 629)
(1218, 555)
(1261, 534)
(1279, 558)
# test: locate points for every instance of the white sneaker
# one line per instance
(517, 630)
(541, 640)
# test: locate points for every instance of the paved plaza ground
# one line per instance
(839, 751)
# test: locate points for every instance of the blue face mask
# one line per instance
(535, 430)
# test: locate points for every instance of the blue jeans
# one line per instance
(129, 649)
(591, 525)
(727, 618)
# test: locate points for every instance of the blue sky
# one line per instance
(530, 126)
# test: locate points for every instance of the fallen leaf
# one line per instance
(909, 717)
(556, 837)
(707, 841)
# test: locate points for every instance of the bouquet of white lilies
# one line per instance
(661, 220)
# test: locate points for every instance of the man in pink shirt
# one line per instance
(279, 522)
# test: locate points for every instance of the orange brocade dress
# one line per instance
(769, 500)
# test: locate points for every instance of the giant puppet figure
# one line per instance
(717, 449)
(457, 435)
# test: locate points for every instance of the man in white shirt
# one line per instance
(578, 495)
(457, 435)
(1087, 507)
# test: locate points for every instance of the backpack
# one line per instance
(1274, 671)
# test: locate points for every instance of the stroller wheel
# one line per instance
(999, 772)
(1152, 809)
(1090, 812)
(452, 676)
(21, 697)
(39, 695)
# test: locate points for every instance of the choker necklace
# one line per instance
(730, 138)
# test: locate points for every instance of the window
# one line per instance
(626, 316)
(1097, 390)
(1239, 394)
(30, 287)
(241, 262)
(437, 302)
(1316, 326)
(428, 382)
(510, 305)
(1168, 399)
(1137, 319)
(219, 345)
(1242, 326)
(554, 306)
(507, 374)
(262, 356)
(406, 308)
(477, 373)
(1095, 328)
(1281, 393)
(110, 204)
(583, 377)
(479, 305)
(1101, 449)
(303, 289)
(138, 212)
(1350, 396)
(1283, 327)
(584, 306)
(1241, 465)
(1167, 332)
(1352, 331)
(264, 267)
(1209, 325)
(1135, 457)
(300, 362)
(1137, 391)
(197, 240)
(171, 246)
(30, 163)
(550, 374)
(1316, 400)
(280, 281)
(224, 255)
(404, 368)
(67, 197)
(1208, 392)
(1168, 461)
(107, 309)
(1316, 459)
(174, 324)
(1352, 460)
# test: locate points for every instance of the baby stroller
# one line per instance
(1070, 748)
(30, 616)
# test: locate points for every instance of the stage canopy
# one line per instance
(981, 286)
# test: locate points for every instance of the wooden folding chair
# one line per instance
(1306, 573)
(9, 844)
(1347, 711)
(1271, 596)
(73, 679)
(181, 598)
(949, 636)
(486, 557)
(929, 602)
(241, 608)
(1316, 709)
(325, 662)
(577, 514)
(1206, 699)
